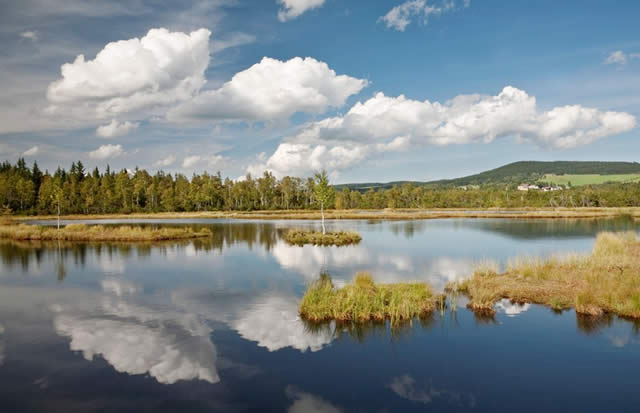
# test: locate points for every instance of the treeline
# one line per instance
(28, 190)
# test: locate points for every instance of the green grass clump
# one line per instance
(364, 300)
(606, 281)
(300, 237)
(88, 233)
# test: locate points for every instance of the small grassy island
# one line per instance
(300, 237)
(364, 300)
(87, 233)
(607, 281)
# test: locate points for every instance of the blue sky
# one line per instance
(371, 91)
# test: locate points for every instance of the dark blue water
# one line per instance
(211, 325)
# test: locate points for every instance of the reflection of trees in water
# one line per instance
(484, 318)
(546, 228)
(25, 253)
(267, 235)
(521, 228)
(408, 228)
(592, 324)
(264, 234)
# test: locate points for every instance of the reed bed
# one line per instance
(364, 300)
(605, 281)
(387, 213)
(299, 237)
(88, 233)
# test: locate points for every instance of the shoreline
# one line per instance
(386, 214)
(605, 281)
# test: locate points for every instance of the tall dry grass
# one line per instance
(605, 281)
(87, 233)
(391, 214)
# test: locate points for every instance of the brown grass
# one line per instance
(300, 237)
(391, 214)
(606, 281)
(88, 233)
(364, 300)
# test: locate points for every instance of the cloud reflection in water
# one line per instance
(269, 318)
(138, 338)
(385, 267)
(308, 403)
(407, 388)
(512, 309)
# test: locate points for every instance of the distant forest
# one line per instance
(28, 190)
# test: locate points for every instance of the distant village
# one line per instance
(527, 187)
(523, 187)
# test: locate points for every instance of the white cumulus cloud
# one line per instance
(272, 90)
(620, 58)
(190, 161)
(294, 8)
(116, 128)
(299, 159)
(106, 152)
(30, 35)
(168, 161)
(399, 17)
(385, 123)
(210, 160)
(617, 57)
(31, 151)
(160, 68)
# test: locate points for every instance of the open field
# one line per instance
(607, 281)
(592, 179)
(364, 300)
(399, 214)
(81, 232)
(300, 237)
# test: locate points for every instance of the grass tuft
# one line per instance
(299, 237)
(606, 281)
(364, 300)
(88, 233)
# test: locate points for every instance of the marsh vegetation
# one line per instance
(300, 237)
(606, 281)
(87, 233)
(364, 300)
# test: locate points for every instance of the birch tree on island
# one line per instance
(322, 192)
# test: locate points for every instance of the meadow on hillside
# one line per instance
(590, 179)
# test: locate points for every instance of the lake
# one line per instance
(212, 325)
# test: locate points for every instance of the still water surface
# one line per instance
(211, 325)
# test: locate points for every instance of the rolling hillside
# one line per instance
(523, 171)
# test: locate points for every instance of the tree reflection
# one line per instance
(588, 324)
(23, 254)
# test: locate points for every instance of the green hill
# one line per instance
(517, 172)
